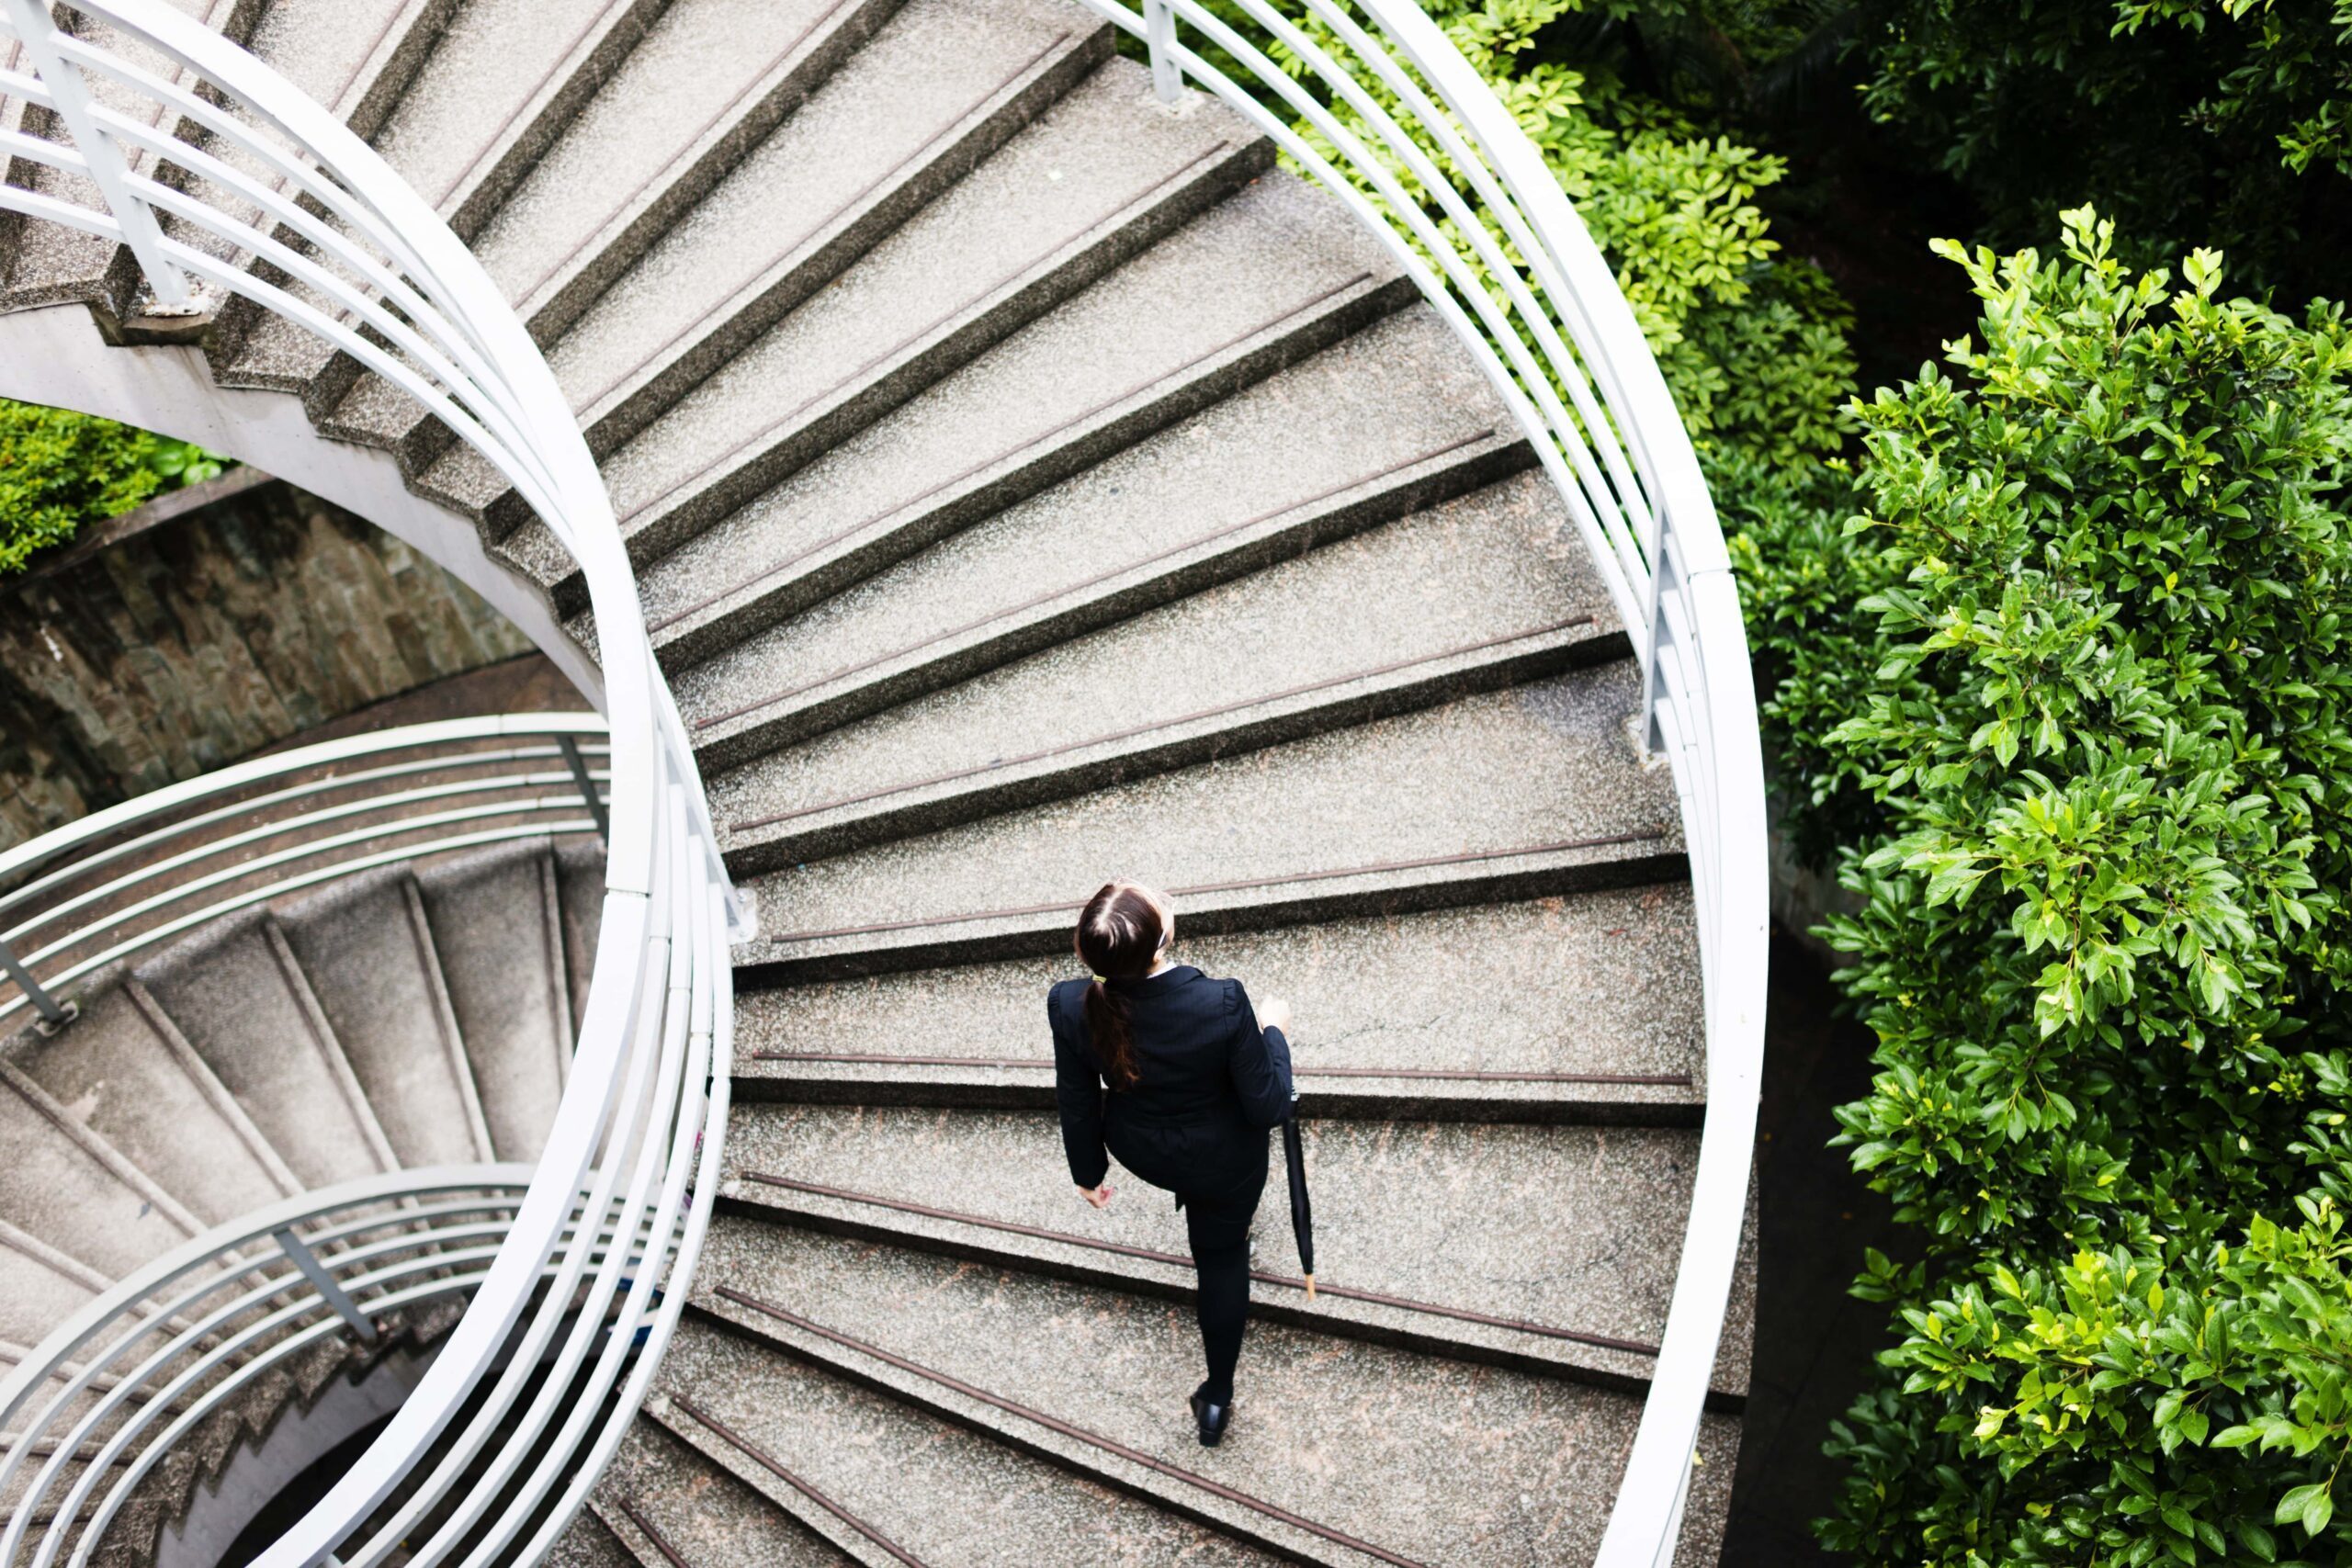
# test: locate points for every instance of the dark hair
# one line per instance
(1120, 934)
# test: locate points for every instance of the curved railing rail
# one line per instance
(1372, 100)
(123, 881)
(221, 178)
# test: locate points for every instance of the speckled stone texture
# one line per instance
(949, 1497)
(1392, 1446)
(1589, 985)
(697, 1510)
(1502, 1221)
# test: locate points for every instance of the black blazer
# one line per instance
(1213, 1083)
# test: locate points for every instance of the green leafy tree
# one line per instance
(2107, 732)
(59, 469)
(2220, 120)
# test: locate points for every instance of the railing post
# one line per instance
(580, 776)
(34, 27)
(1653, 635)
(54, 1014)
(1159, 37)
(298, 1253)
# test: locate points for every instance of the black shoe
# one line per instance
(1213, 1418)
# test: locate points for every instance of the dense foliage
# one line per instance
(2084, 654)
(59, 470)
(2216, 121)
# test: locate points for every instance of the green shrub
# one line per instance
(59, 469)
(2084, 657)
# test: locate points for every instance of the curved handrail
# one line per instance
(253, 183)
(1392, 122)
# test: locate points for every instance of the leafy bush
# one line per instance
(2084, 655)
(2226, 120)
(59, 469)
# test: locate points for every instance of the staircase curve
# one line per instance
(962, 460)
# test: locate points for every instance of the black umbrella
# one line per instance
(1302, 1212)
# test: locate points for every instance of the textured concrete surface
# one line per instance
(698, 1510)
(949, 1497)
(1395, 1447)
(497, 926)
(1589, 985)
(58, 1189)
(1461, 1220)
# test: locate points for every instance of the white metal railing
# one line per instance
(123, 881)
(1379, 107)
(223, 178)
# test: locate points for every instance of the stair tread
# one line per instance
(704, 70)
(702, 1511)
(232, 1000)
(493, 60)
(1547, 764)
(321, 46)
(908, 97)
(1253, 268)
(371, 973)
(113, 1072)
(58, 1190)
(949, 1497)
(1224, 468)
(35, 1298)
(504, 963)
(1404, 1210)
(1461, 586)
(1590, 985)
(1388, 1446)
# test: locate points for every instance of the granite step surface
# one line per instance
(354, 56)
(1535, 791)
(64, 1188)
(1257, 282)
(1221, 494)
(1475, 595)
(666, 1504)
(1567, 1009)
(239, 996)
(497, 924)
(1340, 1453)
(124, 1071)
(1571, 1274)
(707, 80)
(888, 1483)
(916, 117)
(589, 1542)
(368, 954)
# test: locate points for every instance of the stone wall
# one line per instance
(203, 626)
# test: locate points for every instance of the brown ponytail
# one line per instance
(1120, 934)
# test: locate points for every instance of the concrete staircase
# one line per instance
(1029, 482)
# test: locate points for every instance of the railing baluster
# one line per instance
(54, 1014)
(298, 1253)
(1159, 37)
(581, 776)
(36, 28)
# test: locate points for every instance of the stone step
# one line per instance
(124, 1071)
(938, 88)
(1474, 595)
(1340, 1453)
(1258, 282)
(707, 80)
(666, 1504)
(355, 56)
(66, 1189)
(1525, 793)
(368, 954)
(1415, 1245)
(497, 922)
(937, 92)
(500, 80)
(589, 1542)
(1223, 493)
(889, 1483)
(1581, 1006)
(239, 996)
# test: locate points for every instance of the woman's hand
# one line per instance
(1274, 1014)
(1098, 1196)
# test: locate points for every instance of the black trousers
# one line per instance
(1219, 1226)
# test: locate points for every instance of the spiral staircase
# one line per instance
(1005, 474)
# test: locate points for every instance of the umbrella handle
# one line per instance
(1310, 1287)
